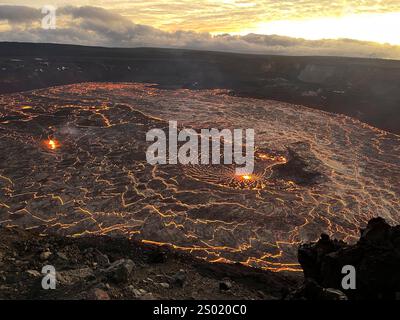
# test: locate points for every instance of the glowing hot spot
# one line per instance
(52, 144)
(247, 177)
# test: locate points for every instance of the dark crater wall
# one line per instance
(366, 89)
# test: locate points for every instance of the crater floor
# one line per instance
(73, 162)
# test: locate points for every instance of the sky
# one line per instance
(357, 28)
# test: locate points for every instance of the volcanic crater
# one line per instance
(73, 162)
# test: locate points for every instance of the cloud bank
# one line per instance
(96, 26)
(219, 16)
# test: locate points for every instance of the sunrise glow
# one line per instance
(366, 27)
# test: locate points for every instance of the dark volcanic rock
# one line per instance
(179, 278)
(376, 259)
(311, 290)
(157, 256)
(225, 285)
(303, 167)
(120, 270)
(102, 259)
(79, 277)
(311, 255)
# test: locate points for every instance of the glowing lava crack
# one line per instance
(73, 162)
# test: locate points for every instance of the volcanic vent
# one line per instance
(73, 162)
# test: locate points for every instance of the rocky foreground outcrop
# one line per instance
(104, 268)
(375, 258)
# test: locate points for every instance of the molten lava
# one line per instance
(244, 177)
(279, 159)
(100, 183)
(52, 144)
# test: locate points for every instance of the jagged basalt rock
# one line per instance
(311, 255)
(119, 271)
(375, 257)
(311, 290)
